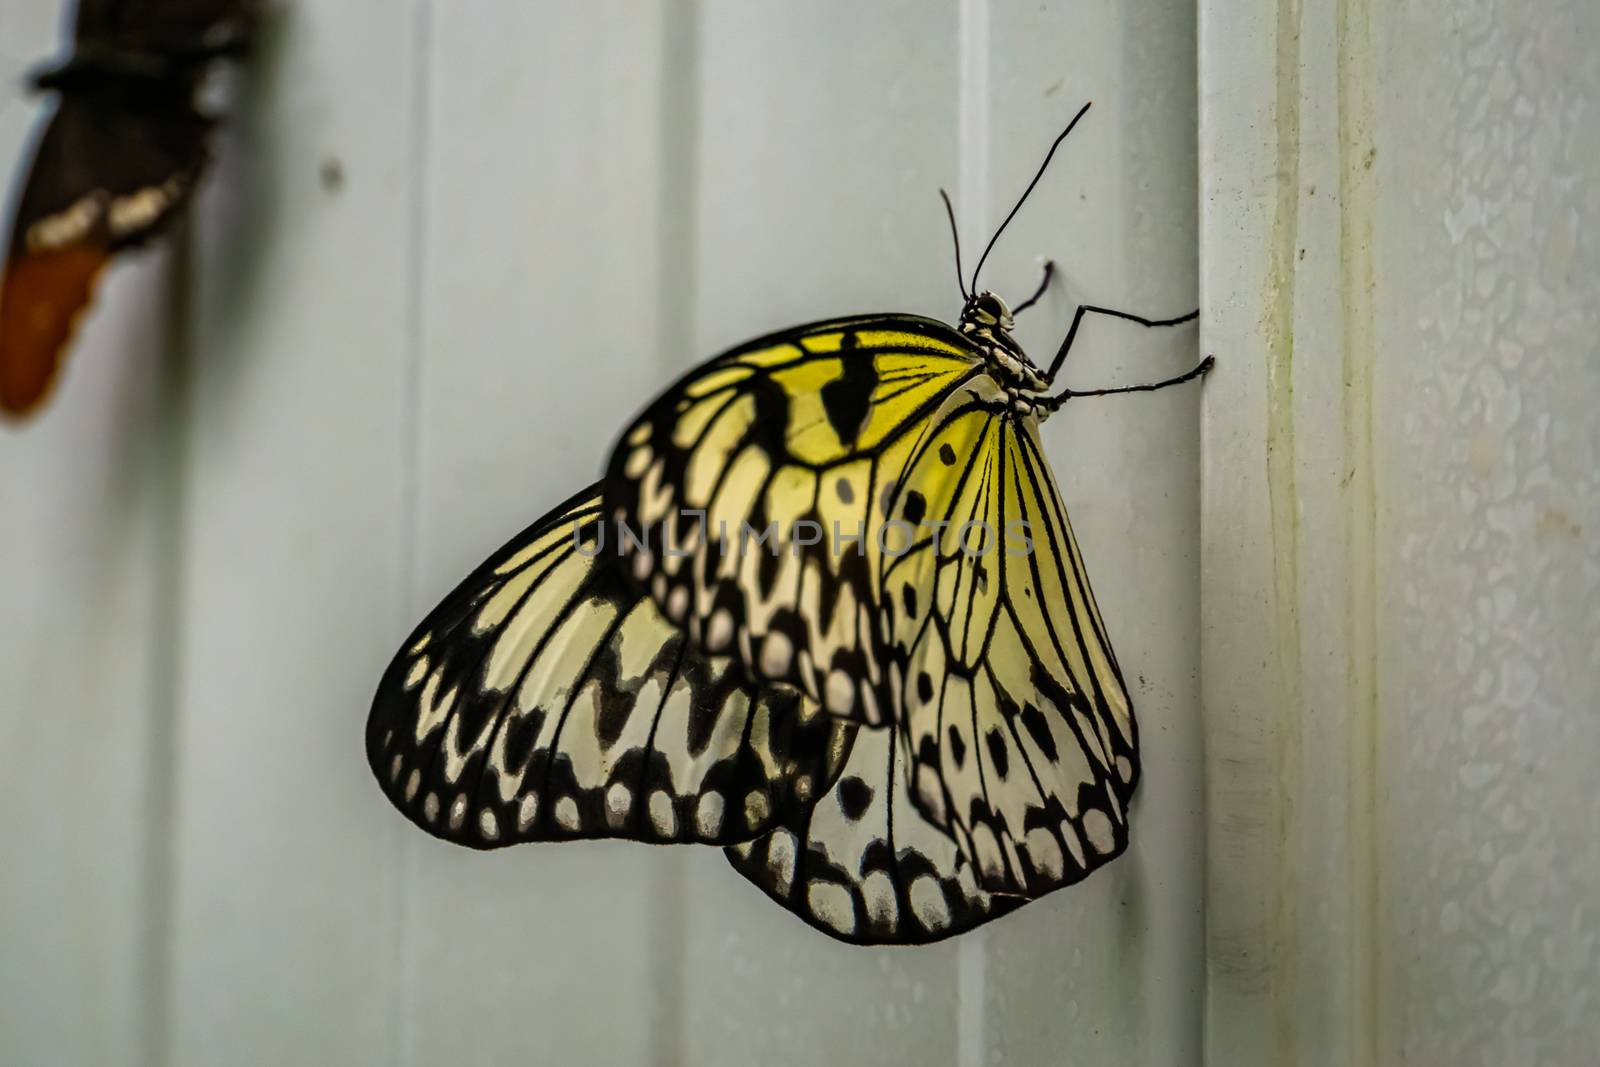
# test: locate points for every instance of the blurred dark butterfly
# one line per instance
(117, 162)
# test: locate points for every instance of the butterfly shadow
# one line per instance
(239, 215)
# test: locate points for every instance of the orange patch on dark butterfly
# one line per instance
(41, 298)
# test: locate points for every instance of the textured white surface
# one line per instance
(450, 247)
(1492, 542)
(1401, 551)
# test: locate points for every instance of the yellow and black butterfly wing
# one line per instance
(1017, 722)
(811, 425)
(863, 865)
(546, 699)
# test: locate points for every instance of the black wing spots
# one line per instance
(769, 426)
(846, 494)
(847, 400)
(579, 682)
(855, 797)
(916, 508)
(908, 597)
(818, 553)
(580, 595)
(919, 417)
(983, 778)
(958, 747)
(998, 756)
(980, 506)
(886, 497)
(500, 701)
(931, 434)
(707, 697)
(912, 552)
(1038, 728)
(924, 686)
(891, 491)
(996, 739)
(971, 464)
(456, 656)
(1091, 797)
(520, 736)
(947, 455)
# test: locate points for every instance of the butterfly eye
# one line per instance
(990, 310)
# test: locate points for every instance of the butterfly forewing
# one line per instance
(863, 865)
(796, 437)
(547, 699)
(1017, 722)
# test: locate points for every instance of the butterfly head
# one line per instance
(986, 321)
(987, 313)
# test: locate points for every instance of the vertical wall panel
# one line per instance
(1108, 972)
(828, 129)
(540, 334)
(85, 507)
(1400, 564)
(286, 858)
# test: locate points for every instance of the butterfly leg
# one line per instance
(1053, 402)
(1049, 272)
(1085, 309)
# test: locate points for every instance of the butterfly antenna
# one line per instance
(955, 235)
(1025, 193)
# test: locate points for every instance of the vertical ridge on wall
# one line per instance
(169, 485)
(83, 515)
(827, 130)
(544, 150)
(678, 131)
(1242, 59)
(1358, 202)
(1284, 505)
(402, 1027)
(1288, 265)
(973, 196)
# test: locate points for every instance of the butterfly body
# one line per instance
(116, 163)
(987, 323)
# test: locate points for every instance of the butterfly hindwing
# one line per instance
(1017, 721)
(546, 699)
(791, 438)
(863, 865)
